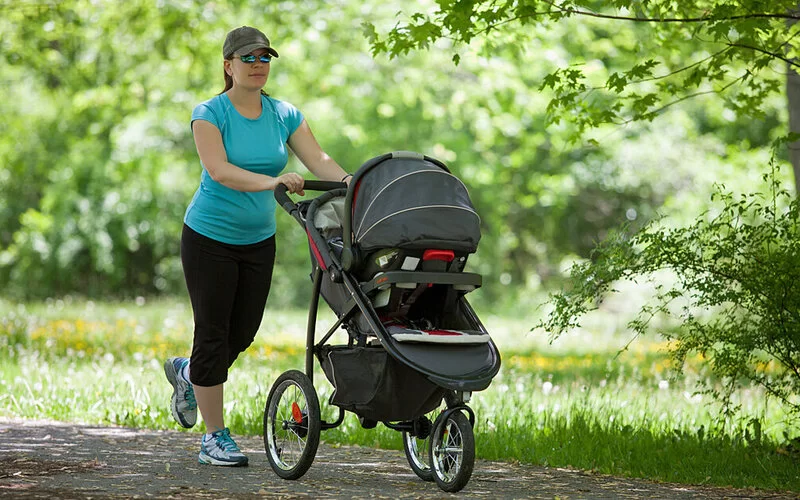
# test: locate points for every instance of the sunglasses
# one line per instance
(250, 59)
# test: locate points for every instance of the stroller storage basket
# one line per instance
(372, 384)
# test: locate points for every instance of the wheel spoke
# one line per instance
(291, 424)
(452, 452)
(289, 445)
(449, 452)
(419, 451)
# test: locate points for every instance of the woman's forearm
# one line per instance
(327, 169)
(310, 154)
(229, 175)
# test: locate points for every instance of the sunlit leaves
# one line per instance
(641, 71)
(617, 82)
(678, 31)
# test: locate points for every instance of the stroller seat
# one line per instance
(420, 300)
(437, 335)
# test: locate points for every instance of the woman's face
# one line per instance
(250, 76)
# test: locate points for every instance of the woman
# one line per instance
(228, 240)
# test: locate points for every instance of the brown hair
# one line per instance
(229, 81)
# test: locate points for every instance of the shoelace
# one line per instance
(226, 442)
(191, 402)
(188, 394)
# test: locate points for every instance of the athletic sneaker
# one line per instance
(220, 449)
(184, 405)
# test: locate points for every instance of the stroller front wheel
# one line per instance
(452, 451)
(417, 448)
(292, 425)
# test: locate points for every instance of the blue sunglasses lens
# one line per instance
(250, 59)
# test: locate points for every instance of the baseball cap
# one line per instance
(245, 40)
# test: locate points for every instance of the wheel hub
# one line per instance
(421, 428)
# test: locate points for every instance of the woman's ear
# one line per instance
(226, 64)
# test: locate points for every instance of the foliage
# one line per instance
(734, 288)
(733, 48)
(91, 196)
(97, 162)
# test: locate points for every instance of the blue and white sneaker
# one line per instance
(220, 449)
(184, 405)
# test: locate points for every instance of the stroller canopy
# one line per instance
(406, 200)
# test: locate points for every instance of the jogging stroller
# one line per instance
(388, 256)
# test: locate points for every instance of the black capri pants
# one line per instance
(228, 286)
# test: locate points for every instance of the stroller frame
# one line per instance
(450, 429)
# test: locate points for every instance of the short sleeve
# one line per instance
(290, 115)
(205, 111)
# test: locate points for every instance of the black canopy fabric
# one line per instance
(413, 203)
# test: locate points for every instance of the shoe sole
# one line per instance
(206, 459)
(172, 377)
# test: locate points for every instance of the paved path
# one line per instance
(57, 460)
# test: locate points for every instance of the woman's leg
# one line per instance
(212, 275)
(211, 269)
(210, 402)
(255, 278)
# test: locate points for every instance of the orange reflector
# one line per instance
(297, 415)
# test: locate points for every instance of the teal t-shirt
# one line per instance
(258, 145)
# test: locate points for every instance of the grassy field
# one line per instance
(578, 402)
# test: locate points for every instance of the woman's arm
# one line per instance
(208, 141)
(309, 152)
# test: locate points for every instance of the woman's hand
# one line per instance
(293, 182)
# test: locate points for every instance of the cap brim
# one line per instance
(254, 46)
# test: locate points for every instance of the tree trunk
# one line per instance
(793, 97)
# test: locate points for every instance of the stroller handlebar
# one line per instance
(282, 197)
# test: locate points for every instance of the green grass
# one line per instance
(578, 402)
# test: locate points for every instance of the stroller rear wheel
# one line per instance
(417, 445)
(452, 451)
(292, 424)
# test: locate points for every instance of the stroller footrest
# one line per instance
(438, 336)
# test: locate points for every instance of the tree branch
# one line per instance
(490, 27)
(676, 101)
(672, 73)
(702, 19)
(790, 62)
(794, 16)
(557, 9)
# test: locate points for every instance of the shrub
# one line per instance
(735, 291)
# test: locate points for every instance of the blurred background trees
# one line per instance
(725, 285)
(97, 162)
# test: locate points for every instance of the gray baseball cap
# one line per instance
(245, 40)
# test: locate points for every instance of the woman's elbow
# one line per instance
(217, 173)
